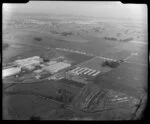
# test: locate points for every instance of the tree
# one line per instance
(37, 38)
(35, 117)
(65, 96)
(112, 64)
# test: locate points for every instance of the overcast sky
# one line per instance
(97, 9)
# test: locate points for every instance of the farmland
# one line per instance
(46, 87)
(94, 44)
(134, 78)
(28, 106)
(77, 58)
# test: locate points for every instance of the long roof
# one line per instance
(10, 71)
(57, 66)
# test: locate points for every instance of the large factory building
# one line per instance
(29, 63)
(54, 66)
(11, 71)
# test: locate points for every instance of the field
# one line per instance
(34, 93)
(27, 106)
(128, 78)
(11, 53)
(46, 87)
(77, 58)
(94, 63)
(93, 32)
(72, 83)
(140, 58)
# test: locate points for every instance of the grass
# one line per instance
(77, 58)
(94, 63)
(72, 83)
(28, 106)
(127, 78)
(45, 87)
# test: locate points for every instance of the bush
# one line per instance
(66, 33)
(110, 38)
(128, 39)
(37, 38)
(112, 64)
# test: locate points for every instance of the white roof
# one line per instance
(57, 66)
(96, 73)
(10, 71)
(28, 60)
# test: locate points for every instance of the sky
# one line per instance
(85, 8)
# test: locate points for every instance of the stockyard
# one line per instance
(59, 67)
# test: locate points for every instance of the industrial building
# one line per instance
(36, 60)
(11, 71)
(54, 66)
(81, 74)
(29, 63)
